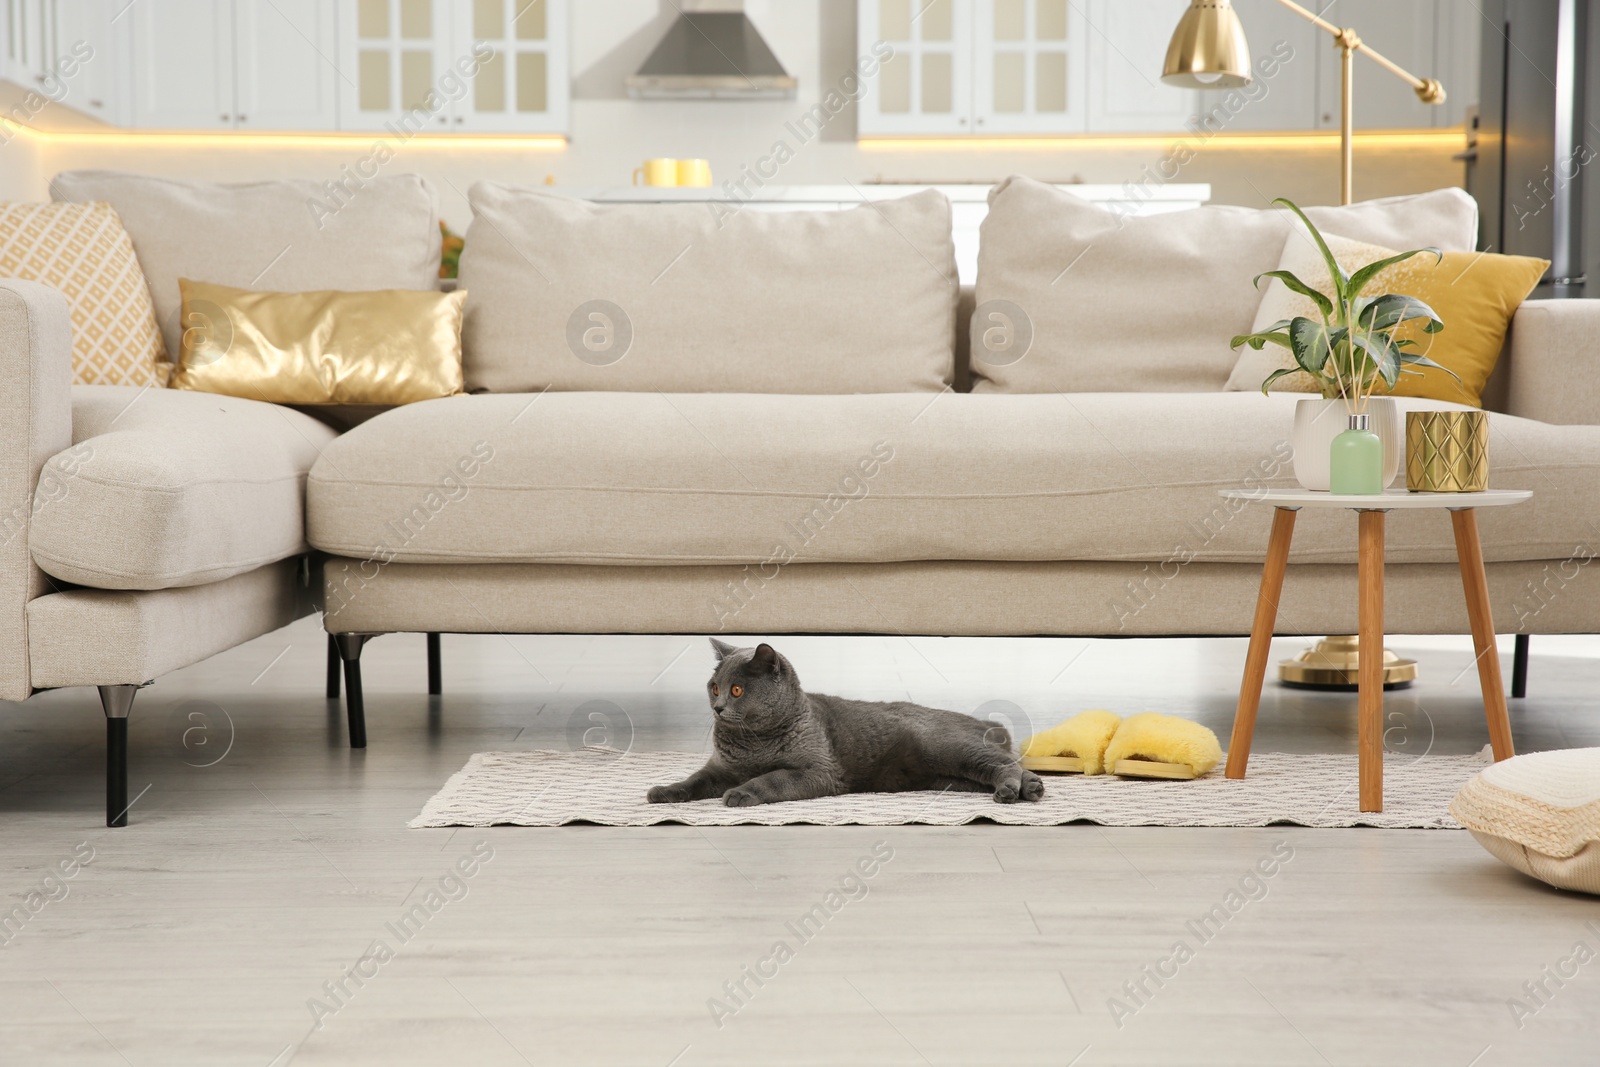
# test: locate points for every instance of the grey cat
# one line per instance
(774, 741)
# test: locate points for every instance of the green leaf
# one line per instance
(1359, 280)
(1416, 359)
(1317, 297)
(1341, 280)
(1379, 347)
(1274, 376)
(1390, 310)
(1257, 340)
(1311, 343)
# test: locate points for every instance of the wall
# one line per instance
(815, 39)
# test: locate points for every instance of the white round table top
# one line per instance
(1388, 500)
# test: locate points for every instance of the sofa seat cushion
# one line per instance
(638, 478)
(164, 488)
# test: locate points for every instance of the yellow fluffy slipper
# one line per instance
(1077, 745)
(1162, 746)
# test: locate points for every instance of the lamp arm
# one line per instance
(1428, 90)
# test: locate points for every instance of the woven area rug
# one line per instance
(606, 787)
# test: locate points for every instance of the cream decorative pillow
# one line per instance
(707, 298)
(1474, 294)
(1540, 813)
(1075, 298)
(82, 250)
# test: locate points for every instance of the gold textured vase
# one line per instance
(1447, 451)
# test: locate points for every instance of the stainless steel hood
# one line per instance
(712, 54)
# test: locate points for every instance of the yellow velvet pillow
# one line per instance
(388, 346)
(1474, 294)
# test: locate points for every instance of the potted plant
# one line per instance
(1347, 350)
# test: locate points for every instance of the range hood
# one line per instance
(712, 51)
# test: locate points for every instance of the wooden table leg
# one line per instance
(1255, 662)
(1470, 553)
(1370, 648)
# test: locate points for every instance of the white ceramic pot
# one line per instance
(1317, 422)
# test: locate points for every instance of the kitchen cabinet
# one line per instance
(63, 50)
(85, 56)
(286, 75)
(1019, 67)
(924, 86)
(484, 66)
(181, 60)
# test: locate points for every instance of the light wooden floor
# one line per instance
(199, 934)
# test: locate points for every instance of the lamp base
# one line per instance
(1334, 663)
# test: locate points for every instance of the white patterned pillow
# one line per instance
(1540, 813)
(82, 250)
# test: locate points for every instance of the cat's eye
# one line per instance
(737, 690)
(713, 688)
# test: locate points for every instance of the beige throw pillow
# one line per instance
(285, 235)
(82, 250)
(569, 294)
(1073, 297)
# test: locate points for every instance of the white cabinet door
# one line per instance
(398, 54)
(1284, 52)
(925, 84)
(511, 56)
(1127, 47)
(1403, 31)
(22, 61)
(84, 56)
(1031, 66)
(288, 78)
(181, 59)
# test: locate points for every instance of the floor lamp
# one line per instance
(1209, 51)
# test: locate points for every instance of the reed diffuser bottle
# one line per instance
(1355, 460)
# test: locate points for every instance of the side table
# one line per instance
(1371, 509)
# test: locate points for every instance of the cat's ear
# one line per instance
(722, 649)
(765, 658)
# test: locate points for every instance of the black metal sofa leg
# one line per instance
(350, 646)
(1519, 667)
(117, 700)
(435, 666)
(334, 663)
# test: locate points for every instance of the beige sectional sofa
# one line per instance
(768, 429)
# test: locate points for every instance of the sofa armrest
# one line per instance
(1555, 362)
(35, 424)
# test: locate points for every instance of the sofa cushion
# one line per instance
(164, 488)
(1077, 298)
(568, 294)
(286, 235)
(634, 478)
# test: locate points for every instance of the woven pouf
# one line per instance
(1540, 813)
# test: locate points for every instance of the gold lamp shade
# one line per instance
(1208, 49)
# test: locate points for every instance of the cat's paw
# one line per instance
(1032, 786)
(667, 794)
(740, 797)
(1008, 791)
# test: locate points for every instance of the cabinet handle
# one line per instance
(241, 118)
(97, 103)
(225, 117)
(39, 78)
(962, 120)
(460, 119)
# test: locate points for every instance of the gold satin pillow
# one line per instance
(389, 346)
